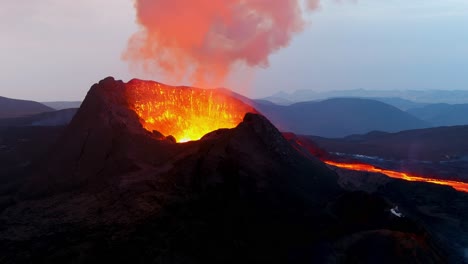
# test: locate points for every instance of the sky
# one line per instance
(56, 49)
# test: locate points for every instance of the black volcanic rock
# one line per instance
(385, 246)
(20, 147)
(100, 139)
(111, 191)
(440, 210)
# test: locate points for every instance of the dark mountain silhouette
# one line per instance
(416, 96)
(440, 152)
(61, 105)
(402, 104)
(339, 117)
(110, 191)
(16, 108)
(442, 114)
(54, 118)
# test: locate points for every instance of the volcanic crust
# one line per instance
(111, 190)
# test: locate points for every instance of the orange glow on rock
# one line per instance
(186, 113)
(459, 186)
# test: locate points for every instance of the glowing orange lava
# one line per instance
(459, 186)
(186, 113)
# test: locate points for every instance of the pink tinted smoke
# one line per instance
(204, 40)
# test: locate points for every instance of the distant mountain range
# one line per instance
(418, 96)
(442, 114)
(53, 118)
(335, 117)
(434, 107)
(60, 105)
(339, 117)
(431, 144)
(402, 104)
(16, 108)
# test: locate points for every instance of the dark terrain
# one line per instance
(20, 148)
(441, 210)
(103, 189)
(52, 118)
(440, 152)
(431, 144)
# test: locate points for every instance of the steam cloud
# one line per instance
(203, 40)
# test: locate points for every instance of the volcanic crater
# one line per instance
(185, 113)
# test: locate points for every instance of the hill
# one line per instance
(60, 105)
(53, 118)
(339, 117)
(417, 96)
(431, 144)
(402, 104)
(17, 108)
(442, 114)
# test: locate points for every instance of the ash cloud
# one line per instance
(205, 40)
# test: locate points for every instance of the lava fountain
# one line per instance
(186, 113)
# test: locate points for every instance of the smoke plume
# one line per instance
(203, 40)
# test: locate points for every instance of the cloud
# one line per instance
(204, 40)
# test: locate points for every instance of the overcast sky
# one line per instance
(56, 49)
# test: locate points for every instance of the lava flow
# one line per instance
(186, 113)
(459, 186)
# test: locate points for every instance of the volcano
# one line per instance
(147, 172)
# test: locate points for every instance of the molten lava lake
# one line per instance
(186, 113)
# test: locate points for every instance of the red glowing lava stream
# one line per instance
(325, 157)
(459, 186)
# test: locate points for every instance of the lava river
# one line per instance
(459, 186)
(324, 156)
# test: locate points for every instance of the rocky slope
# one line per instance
(441, 210)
